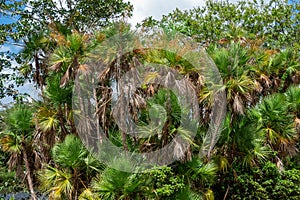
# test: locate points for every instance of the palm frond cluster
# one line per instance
(256, 94)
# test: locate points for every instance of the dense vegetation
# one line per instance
(255, 47)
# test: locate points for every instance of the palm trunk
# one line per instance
(75, 184)
(124, 140)
(64, 131)
(99, 135)
(165, 131)
(28, 173)
(70, 121)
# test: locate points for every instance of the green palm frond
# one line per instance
(87, 194)
(70, 153)
(61, 56)
(92, 164)
(256, 155)
(11, 142)
(275, 117)
(261, 152)
(58, 183)
(46, 117)
(231, 61)
(188, 194)
(76, 42)
(293, 98)
(48, 123)
(277, 122)
(205, 173)
(110, 183)
(246, 135)
(202, 172)
(19, 119)
(55, 93)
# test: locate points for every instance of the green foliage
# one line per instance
(163, 182)
(277, 122)
(249, 189)
(255, 46)
(276, 21)
(268, 183)
(202, 173)
(187, 194)
(57, 94)
(65, 16)
(161, 107)
(73, 166)
(17, 131)
(8, 182)
(38, 30)
(113, 184)
(19, 119)
(293, 99)
(70, 153)
(58, 183)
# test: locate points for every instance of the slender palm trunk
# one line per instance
(64, 131)
(28, 173)
(125, 146)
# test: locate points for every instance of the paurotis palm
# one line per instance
(112, 184)
(268, 126)
(248, 141)
(73, 169)
(275, 70)
(293, 100)
(17, 139)
(67, 60)
(277, 123)
(60, 100)
(69, 55)
(232, 63)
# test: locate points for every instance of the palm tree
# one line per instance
(73, 169)
(16, 138)
(115, 184)
(233, 64)
(278, 124)
(67, 58)
(293, 99)
(60, 99)
(66, 61)
(248, 141)
(188, 194)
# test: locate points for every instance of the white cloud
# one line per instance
(157, 8)
(5, 48)
(28, 88)
(10, 47)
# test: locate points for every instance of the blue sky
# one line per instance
(142, 9)
(26, 88)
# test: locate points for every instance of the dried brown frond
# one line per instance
(56, 67)
(238, 105)
(265, 79)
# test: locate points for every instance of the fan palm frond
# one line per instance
(55, 93)
(70, 153)
(58, 183)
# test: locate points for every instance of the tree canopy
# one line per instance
(37, 26)
(251, 152)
